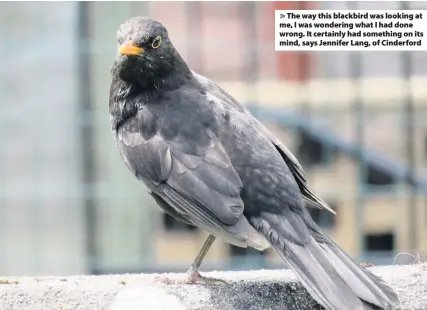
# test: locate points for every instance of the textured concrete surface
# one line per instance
(253, 290)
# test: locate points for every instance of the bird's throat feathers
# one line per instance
(126, 98)
(121, 105)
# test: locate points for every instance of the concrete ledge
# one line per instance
(254, 290)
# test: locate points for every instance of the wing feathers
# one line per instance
(204, 176)
(289, 158)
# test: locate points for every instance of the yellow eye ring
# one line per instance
(157, 41)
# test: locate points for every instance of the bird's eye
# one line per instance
(157, 41)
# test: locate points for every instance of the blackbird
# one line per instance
(208, 162)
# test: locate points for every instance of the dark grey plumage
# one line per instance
(208, 162)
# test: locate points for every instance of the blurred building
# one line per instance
(67, 202)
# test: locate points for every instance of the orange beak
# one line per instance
(129, 48)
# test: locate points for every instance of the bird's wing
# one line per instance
(288, 157)
(297, 172)
(198, 181)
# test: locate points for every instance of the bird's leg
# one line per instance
(193, 272)
(203, 251)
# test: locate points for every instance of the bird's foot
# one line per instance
(194, 277)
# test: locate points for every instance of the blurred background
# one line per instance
(68, 205)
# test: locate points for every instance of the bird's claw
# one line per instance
(194, 277)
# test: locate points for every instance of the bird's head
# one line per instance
(145, 54)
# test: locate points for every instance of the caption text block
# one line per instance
(350, 30)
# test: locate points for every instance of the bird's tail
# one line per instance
(329, 274)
